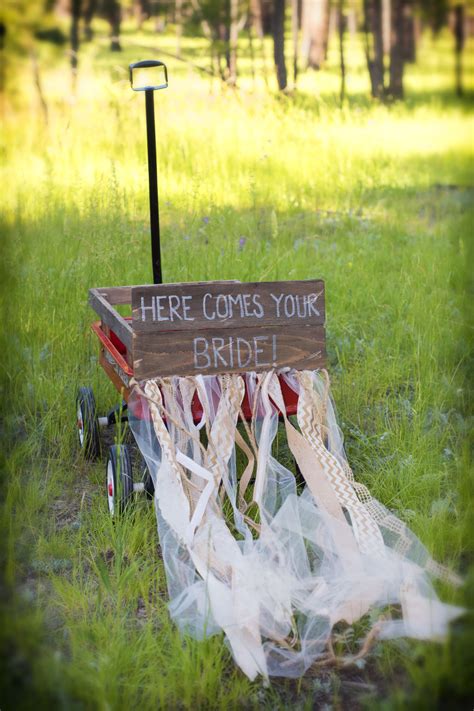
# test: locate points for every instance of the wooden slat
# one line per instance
(110, 317)
(119, 295)
(217, 305)
(117, 377)
(116, 295)
(227, 350)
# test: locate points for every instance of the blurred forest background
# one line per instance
(300, 30)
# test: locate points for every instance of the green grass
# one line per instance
(376, 200)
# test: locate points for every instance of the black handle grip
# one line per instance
(147, 64)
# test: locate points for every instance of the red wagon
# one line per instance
(116, 337)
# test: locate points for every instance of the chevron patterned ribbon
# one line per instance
(365, 528)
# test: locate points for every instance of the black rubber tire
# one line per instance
(119, 476)
(148, 482)
(87, 423)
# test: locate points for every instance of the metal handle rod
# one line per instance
(153, 188)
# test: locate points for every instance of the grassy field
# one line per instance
(376, 200)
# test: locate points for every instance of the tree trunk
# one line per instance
(315, 32)
(375, 59)
(113, 12)
(294, 34)
(256, 17)
(257, 23)
(459, 34)
(341, 27)
(224, 38)
(75, 18)
(279, 43)
(386, 29)
(3, 32)
(352, 25)
(233, 37)
(409, 36)
(396, 50)
(251, 29)
(179, 26)
(142, 12)
(266, 13)
(39, 85)
(154, 6)
(89, 13)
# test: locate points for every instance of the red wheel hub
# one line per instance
(111, 489)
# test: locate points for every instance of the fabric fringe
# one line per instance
(274, 562)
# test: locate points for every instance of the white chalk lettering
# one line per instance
(277, 301)
(246, 300)
(228, 352)
(222, 307)
(235, 301)
(258, 311)
(166, 308)
(217, 345)
(294, 305)
(289, 306)
(258, 350)
(204, 308)
(160, 308)
(187, 308)
(240, 342)
(174, 309)
(312, 298)
(201, 352)
(144, 308)
(301, 306)
(227, 306)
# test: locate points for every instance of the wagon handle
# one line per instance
(152, 170)
(148, 64)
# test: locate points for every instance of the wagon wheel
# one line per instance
(119, 478)
(87, 423)
(148, 485)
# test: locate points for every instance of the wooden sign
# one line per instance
(225, 327)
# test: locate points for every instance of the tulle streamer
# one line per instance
(276, 560)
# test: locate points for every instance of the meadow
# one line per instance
(377, 200)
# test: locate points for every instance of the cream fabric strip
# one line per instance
(365, 529)
(316, 478)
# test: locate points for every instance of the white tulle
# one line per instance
(273, 563)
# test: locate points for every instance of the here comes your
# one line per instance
(223, 307)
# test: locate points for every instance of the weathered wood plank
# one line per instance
(227, 350)
(118, 378)
(116, 295)
(110, 317)
(217, 305)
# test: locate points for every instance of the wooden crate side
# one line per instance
(111, 317)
